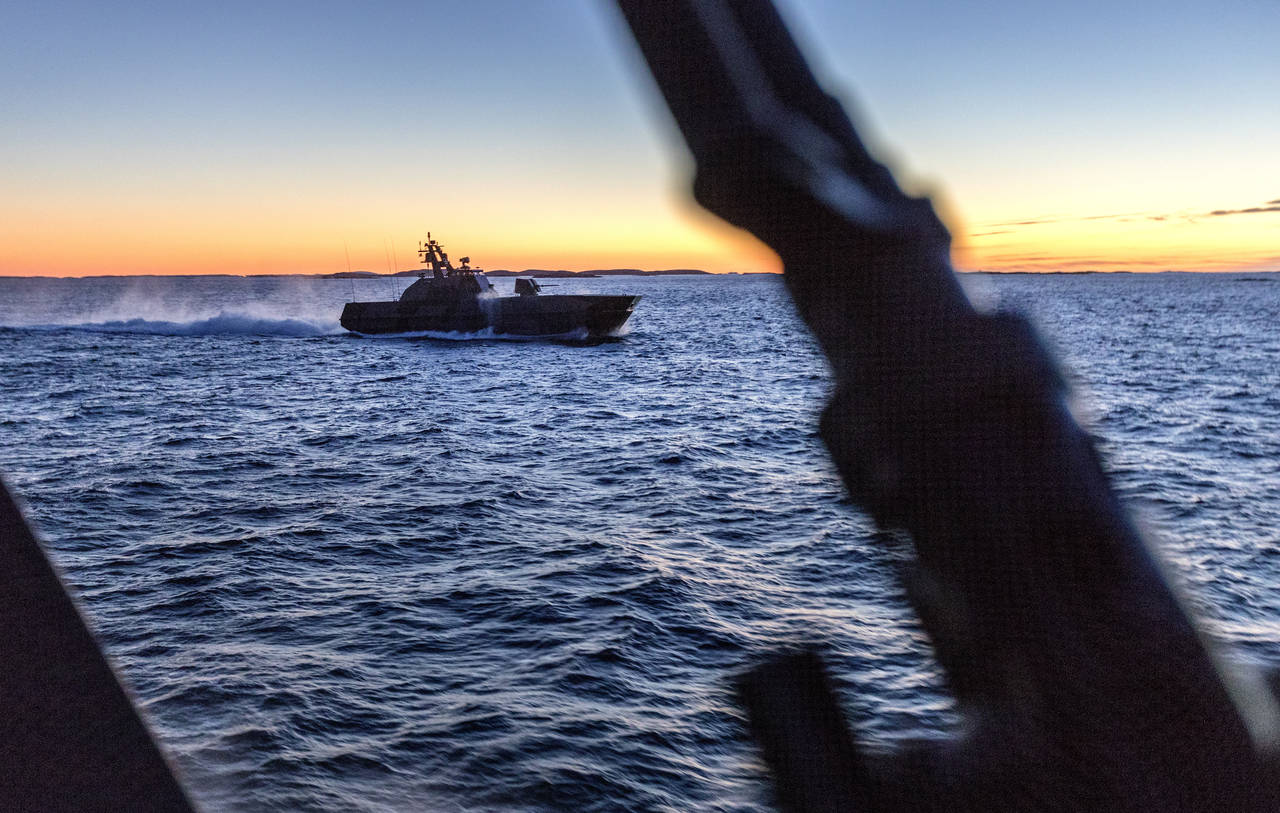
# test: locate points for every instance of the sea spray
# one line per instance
(177, 305)
(223, 324)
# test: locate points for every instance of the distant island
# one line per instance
(540, 273)
(598, 272)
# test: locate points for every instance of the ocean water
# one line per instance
(455, 573)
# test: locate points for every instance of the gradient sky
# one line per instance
(272, 137)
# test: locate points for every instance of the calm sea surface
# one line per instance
(345, 573)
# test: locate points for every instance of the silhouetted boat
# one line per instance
(461, 300)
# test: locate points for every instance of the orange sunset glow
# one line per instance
(235, 154)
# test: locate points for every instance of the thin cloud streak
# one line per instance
(1037, 221)
(1269, 206)
(1250, 211)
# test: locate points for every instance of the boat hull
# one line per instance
(555, 315)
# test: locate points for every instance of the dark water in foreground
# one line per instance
(359, 574)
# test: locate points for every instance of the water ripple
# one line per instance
(477, 575)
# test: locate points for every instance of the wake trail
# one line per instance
(224, 324)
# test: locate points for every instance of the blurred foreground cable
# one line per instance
(1082, 682)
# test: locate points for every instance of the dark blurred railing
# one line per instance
(1082, 681)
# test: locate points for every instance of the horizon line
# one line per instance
(640, 272)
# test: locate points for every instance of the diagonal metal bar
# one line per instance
(72, 739)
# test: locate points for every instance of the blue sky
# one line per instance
(251, 137)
